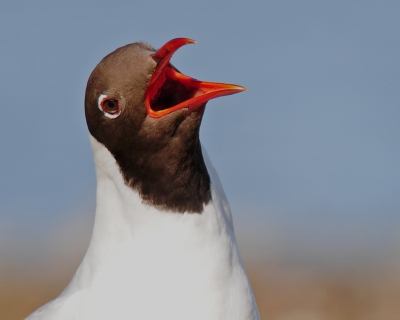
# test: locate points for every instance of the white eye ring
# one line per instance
(108, 113)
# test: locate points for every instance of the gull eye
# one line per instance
(109, 106)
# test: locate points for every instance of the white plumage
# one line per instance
(143, 263)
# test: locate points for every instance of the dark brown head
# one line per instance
(148, 115)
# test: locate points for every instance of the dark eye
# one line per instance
(110, 106)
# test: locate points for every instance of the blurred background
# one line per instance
(309, 156)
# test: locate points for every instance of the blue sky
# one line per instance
(310, 152)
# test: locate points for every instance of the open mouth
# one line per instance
(170, 90)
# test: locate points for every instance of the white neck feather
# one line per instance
(157, 263)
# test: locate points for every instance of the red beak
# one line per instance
(169, 90)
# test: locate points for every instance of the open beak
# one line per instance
(169, 90)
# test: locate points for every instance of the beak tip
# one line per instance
(168, 49)
(240, 88)
(190, 41)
